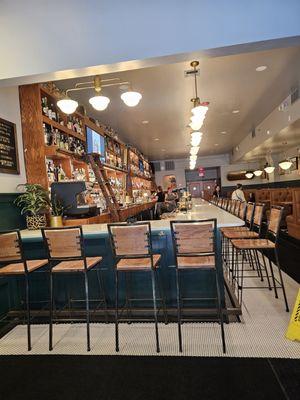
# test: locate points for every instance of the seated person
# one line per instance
(169, 204)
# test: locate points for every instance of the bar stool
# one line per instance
(14, 263)
(132, 251)
(194, 244)
(270, 243)
(66, 255)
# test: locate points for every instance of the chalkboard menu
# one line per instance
(9, 162)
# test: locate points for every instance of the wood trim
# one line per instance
(33, 136)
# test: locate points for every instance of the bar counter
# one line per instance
(194, 284)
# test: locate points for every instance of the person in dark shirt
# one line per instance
(217, 191)
(160, 196)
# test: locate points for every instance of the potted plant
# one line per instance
(57, 211)
(34, 203)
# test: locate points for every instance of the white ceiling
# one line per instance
(228, 83)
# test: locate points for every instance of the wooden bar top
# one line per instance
(201, 209)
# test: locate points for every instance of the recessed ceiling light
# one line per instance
(156, 139)
(223, 132)
(261, 68)
(268, 132)
(216, 144)
(235, 111)
(163, 149)
(145, 122)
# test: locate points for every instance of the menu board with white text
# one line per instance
(9, 161)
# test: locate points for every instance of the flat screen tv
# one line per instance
(95, 143)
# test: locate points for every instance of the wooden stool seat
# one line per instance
(249, 244)
(135, 264)
(241, 235)
(195, 262)
(76, 265)
(19, 269)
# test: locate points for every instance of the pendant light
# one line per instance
(249, 174)
(194, 150)
(286, 163)
(269, 169)
(258, 172)
(98, 102)
(131, 98)
(196, 138)
(67, 105)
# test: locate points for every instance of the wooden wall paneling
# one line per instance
(33, 135)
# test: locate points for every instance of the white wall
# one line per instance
(10, 110)
(40, 37)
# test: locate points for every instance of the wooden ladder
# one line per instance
(108, 193)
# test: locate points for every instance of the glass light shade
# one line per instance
(269, 169)
(193, 158)
(67, 106)
(131, 99)
(196, 125)
(194, 150)
(197, 118)
(200, 110)
(196, 138)
(99, 103)
(249, 174)
(258, 172)
(285, 164)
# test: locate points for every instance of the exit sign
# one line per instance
(201, 172)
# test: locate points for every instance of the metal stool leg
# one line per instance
(116, 310)
(86, 282)
(266, 269)
(155, 310)
(51, 313)
(281, 281)
(220, 312)
(178, 310)
(162, 296)
(273, 279)
(28, 311)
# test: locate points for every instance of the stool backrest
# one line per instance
(64, 243)
(242, 210)
(10, 246)
(250, 213)
(274, 221)
(258, 215)
(130, 239)
(237, 208)
(194, 237)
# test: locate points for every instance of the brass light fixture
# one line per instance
(286, 163)
(198, 111)
(98, 102)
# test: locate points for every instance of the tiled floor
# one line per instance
(260, 334)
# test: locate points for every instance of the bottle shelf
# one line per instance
(63, 128)
(58, 153)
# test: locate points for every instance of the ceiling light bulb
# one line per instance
(258, 172)
(285, 164)
(131, 99)
(67, 106)
(196, 138)
(269, 169)
(194, 150)
(193, 157)
(99, 103)
(249, 174)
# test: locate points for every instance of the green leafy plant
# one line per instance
(34, 201)
(57, 208)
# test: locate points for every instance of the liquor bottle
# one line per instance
(61, 141)
(50, 137)
(69, 123)
(49, 112)
(45, 134)
(45, 106)
(66, 143)
(53, 114)
(55, 139)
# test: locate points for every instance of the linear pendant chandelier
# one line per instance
(98, 102)
(198, 111)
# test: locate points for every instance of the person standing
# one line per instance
(217, 191)
(238, 193)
